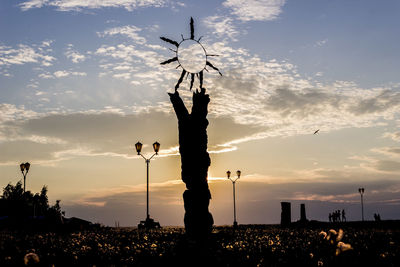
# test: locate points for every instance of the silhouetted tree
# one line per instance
(195, 161)
(17, 204)
(11, 192)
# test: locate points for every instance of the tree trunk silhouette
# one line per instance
(194, 162)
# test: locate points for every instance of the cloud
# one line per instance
(102, 196)
(377, 165)
(110, 204)
(106, 132)
(319, 74)
(33, 4)
(385, 100)
(221, 26)
(33, 84)
(301, 104)
(61, 74)
(269, 93)
(321, 42)
(340, 198)
(129, 31)
(10, 113)
(125, 76)
(38, 148)
(129, 53)
(266, 97)
(256, 91)
(394, 136)
(387, 165)
(250, 10)
(79, 5)
(388, 151)
(139, 64)
(46, 75)
(65, 73)
(74, 55)
(24, 54)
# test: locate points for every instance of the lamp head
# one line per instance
(22, 166)
(238, 173)
(138, 147)
(156, 147)
(228, 174)
(27, 165)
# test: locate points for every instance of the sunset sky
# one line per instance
(81, 83)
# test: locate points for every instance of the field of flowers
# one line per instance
(247, 246)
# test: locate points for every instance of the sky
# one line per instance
(81, 83)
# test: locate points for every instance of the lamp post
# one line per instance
(228, 174)
(361, 191)
(25, 169)
(148, 223)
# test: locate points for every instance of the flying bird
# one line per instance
(316, 131)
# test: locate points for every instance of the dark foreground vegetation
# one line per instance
(24, 209)
(319, 245)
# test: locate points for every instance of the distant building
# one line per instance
(303, 217)
(286, 213)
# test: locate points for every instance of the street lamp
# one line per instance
(361, 191)
(228, 174)
(25, 169)
(148, 223)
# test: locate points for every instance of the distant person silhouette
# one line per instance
(344, 216)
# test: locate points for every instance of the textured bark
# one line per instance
(194, 162)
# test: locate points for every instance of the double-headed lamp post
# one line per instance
(25, 169)
(361, 191)
(228, 174)
(156, 146)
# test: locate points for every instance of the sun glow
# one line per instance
(211, 178)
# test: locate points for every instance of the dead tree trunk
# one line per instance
(194, 162)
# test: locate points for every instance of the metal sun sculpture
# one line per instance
(191, 56)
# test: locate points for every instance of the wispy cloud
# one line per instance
(321, 42)
(98, 197)
(78, 5)
(24, 54)
(221, 26)
(65, 73)
(74, 55)
(61, 74)
(255, 9)
(387, 166)
(129, 31)
(388, 151)
(10, 112)
(131, 62)
(137, 64)
(392, 135)
(339, 198)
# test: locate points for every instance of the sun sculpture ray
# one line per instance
(191, 57)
